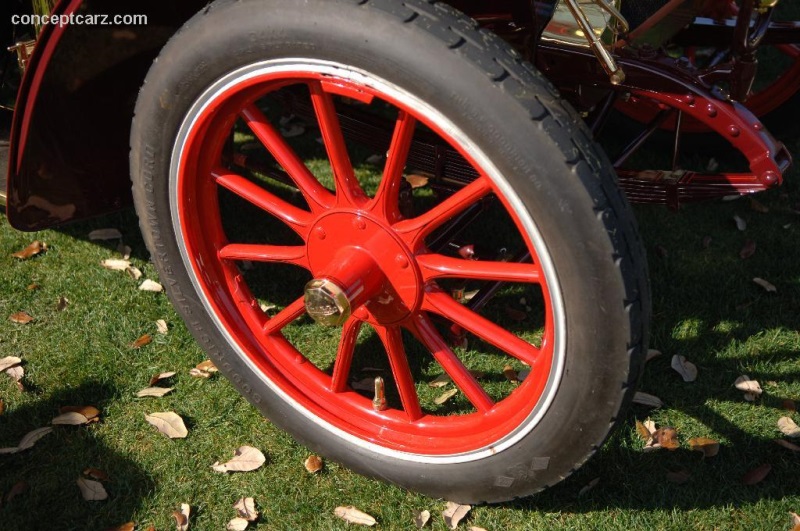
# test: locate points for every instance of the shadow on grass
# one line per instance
(51, 468)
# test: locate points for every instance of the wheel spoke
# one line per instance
(344, 355)
(388, 196)
(296, 218)
(348, 191)
(444, 305)
(285, 317)
(435, 266)
(462, 378)
(286, 254)
(416, 229)
(316, 195)
(392, 339)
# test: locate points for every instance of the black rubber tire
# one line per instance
(516, 116)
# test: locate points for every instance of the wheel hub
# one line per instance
(359, 265)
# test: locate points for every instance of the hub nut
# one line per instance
(326, 302)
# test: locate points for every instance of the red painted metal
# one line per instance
(355, 239)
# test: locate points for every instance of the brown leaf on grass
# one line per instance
(105, 234)
(115, 264)
(644, 432)
(169, 424)
(152, 286)
(708, 447)
(515, 315)
(95, 473)
(417, 181)
(71, 418)
(8, 362)
(90, 412)
(2, 407)
(30, 251)
(237, 524)
(32, 287)
(62, 304)
(161, 327)
(20, 318)
(421, 518)
(679, 477)
(353, 516)
(651, 354)
(454, 513)
(757, 475)
(795, 522)
(313, 464)
(154, 392)
(207, 366)
(245, 459)
(667, 438)
(92, 490)
(20, 487)
(750, 388)
(16, 373)
(476, 528)
(588, 487)
(786, 444)
(197, 373)
(440, 381)
(758, 206)
(134, 272)
(142, 341)
(129, 526)
(182, 517)
(646, 399)
(748, 250)
(32, 437)
(161, 376)
(769, 287)
(246, 508)
(510, 374)
(440, 400)
(789, 405)
(788, 427)
(686, 369)
(740, 223)
(365, 384)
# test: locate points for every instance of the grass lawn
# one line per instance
(706, 308)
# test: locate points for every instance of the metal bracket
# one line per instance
(24, 50)
(619, 26)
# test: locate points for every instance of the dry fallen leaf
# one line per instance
(766, 285)
(161, 376)
(454, 513)
(92, 490)
(115, 264)
(182, 517)
(795, 522)
(421, 518)
(245, 459)
(70, 418)
(95, 473)
(154, 392)
(16, 373)
(353, 516)
(142, 341)
(679, 477)
(786, 444)
(2, 407)
(246, 508)
(440, 381)
(589, 486)
(644, 432)
(510, 374)
(417, 181)
(105, 234)
(90, 412)
(789, 405)
(8, 362)
(130, 526)
(63, 302)
(757, 475)
(197, 373)
(750, 388)
(686, 369)
(748, 250)
(313, 464)
(476, 528)
(645, 399)
(788, 427)
(150, 285)
(667, 438)
(134, 272)
(440, 400)
(740, 223)
(207, 366)
(237, 524)
(20, 318)
(30, 251)
(161, 326)
(652, 353)
(31, 438)
(515, 315)
(19, 487)
(169, 424)
(708, 447)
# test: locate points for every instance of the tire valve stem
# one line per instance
(379, 402)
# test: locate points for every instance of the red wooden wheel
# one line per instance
(377, 261)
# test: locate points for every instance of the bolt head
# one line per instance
(326, 302)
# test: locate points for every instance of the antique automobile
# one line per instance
(351, 202)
